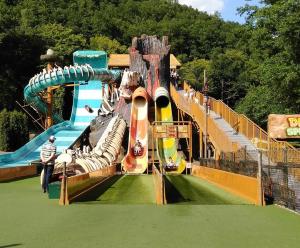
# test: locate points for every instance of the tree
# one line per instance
(4, 130)
(13, 130)
(259, 102)
(20, 55)
(61, 39)
(273, 43)
(101, 42)
(227, 79)
(18, 130)
(193, 72)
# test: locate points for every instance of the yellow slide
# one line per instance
(167, 147)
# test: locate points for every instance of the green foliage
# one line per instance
(58, 101)
(193, 72)
(104, 43)
(273, 43)
(227, 80)
(259, 102)
(18, 130)
(13, 130)
(19, 54)
(61, 39)
(4, 130)
(263, 54)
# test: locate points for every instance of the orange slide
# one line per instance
(136, 160)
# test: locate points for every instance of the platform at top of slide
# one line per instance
(68, 131)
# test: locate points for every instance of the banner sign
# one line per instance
(171, 131)
(284, 126)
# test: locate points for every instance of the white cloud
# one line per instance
(210, 6)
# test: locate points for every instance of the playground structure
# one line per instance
(136, 159)
(143, 104)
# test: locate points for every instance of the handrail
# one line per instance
(278, 151)
(219, 139)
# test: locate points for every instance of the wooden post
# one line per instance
(205, 132)
(259, 178)
(191, 145)
(201, 142)
(63, 191)
(49, 100)
(153, 146)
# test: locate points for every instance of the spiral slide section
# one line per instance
(88, 76)
(166, 147)
(133, 162)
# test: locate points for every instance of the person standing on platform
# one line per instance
(47, 155)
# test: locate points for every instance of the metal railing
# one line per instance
(277, 151)
(280, 183)
(221, 141)
(246, 168)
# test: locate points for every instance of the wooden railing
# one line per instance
(159, 186)
(219, 139)
(277, 151)
(79, 184)
(245, 187)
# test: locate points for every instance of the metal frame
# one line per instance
(174, 123)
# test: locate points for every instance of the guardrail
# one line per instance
(77, 185)
(220, 140)
(247, 187)
(159, 185)
(277, 151)
(14, 173)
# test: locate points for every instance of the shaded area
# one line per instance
(185, 189)
(172, 194)
(11, 245)
(95, 193)
(127, 189)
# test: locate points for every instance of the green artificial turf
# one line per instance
(29, 219)
(186, 189)
(126, 189)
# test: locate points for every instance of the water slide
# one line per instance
(166, 147)
(91, 67)
(133, 163)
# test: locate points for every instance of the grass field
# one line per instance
(29, 219)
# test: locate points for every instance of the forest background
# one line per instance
(253, 67)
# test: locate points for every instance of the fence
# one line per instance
(74, 186)
(242, 154)
(220, 140)
(246, 168)
(278, 151)
(280, 183)
(240, 179)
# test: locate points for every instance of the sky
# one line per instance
(227, 8)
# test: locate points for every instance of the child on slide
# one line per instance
(137, 149)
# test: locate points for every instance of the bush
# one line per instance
(13, 130)
(4, 130)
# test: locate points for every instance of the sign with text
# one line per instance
(284, 126)
(183, 131)
(171, 131)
